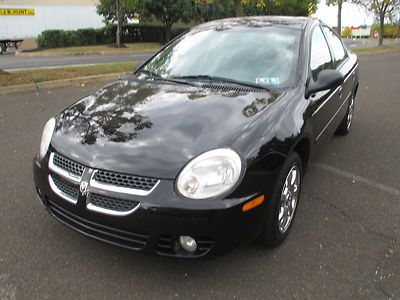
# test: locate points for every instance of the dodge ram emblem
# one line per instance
(83, 188)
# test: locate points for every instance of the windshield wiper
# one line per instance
(222, 79)
(156, 76)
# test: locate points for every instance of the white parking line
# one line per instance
(355, 177)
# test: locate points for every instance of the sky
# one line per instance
(352, 15)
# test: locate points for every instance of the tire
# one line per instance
(345, 125)
(2, 48)
(276, 230)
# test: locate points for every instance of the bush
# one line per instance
(131, 33)
(84, 37)
(52, 39)
(347, 32)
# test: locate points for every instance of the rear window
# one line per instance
(320, 55)
(339, 53)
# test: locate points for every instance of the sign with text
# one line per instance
(17, 11)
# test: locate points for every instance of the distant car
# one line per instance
(203, 148)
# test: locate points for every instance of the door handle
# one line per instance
(340, 92)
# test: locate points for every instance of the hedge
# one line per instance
(389, 31)
(131, 33)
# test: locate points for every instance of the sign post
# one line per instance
(310, 9)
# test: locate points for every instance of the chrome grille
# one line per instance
(114, 204)
(69, 175)
(66, 191)
(71, 191)
(125, 180)
(68, 165)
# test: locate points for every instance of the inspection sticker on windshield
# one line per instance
(267, 80)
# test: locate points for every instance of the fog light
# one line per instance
(187, 243)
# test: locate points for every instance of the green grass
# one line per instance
(97, 49)
(374, 49)
(42, 75)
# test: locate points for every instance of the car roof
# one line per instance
(259, 21)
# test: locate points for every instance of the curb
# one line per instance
(100, 53)
(37, 54)
(376, 52)
(59, 83)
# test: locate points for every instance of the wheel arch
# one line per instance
(303, 149)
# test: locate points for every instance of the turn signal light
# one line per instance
(253, 203)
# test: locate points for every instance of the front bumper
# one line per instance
(218, 226)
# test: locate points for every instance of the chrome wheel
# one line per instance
(350, 113)
(289, 197)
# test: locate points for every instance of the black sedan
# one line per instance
(204, 147)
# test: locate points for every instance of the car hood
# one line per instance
(153, 129)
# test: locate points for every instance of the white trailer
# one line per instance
(19, 22)
(359, 32)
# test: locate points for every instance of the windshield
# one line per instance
(265, 56)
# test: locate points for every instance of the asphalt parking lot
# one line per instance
(345, 243)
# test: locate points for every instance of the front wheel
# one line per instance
(345, 125)
(283, 204)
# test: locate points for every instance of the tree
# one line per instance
(259, 7)
(117, 11)
(238, 8)
(215, 9)
(168, 12)
(381, 9)
(398, 22)
(347, 32)
(207, 10)
(395, 19)
(339, 4)
(241, 6)
(279, 7)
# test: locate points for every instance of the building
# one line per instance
(24, 19)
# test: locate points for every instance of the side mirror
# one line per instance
(139, 65)
(327, 79)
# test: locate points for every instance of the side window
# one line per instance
(339, 53)
(320, 55)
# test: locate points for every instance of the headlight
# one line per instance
(210, 174)
(46, 137)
